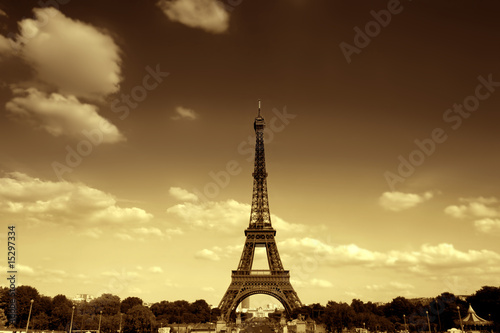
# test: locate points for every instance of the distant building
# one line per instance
(83, 298)
(421, 300)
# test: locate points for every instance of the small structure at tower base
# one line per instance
(472, 322)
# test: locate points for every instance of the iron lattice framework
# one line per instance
(245, 282)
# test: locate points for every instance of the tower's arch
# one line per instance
(279, 296)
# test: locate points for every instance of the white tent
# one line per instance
(472, 320)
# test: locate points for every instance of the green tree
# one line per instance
(109, 324)
(358, 306)
(398, 308)
(214, 314)
(129, 303)
(61, 312)
(40, 321)
(338, 316)
(139, 319)
(200, 311)
(24, 295)
(107, 303)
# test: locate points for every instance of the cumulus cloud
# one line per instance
(155, 269)
(321, 283)
(61, 115)
(474, 207)
(428, 260)
(70, 60)
(124, 236)
(394, 285)
(485, 211)
(208, 15)
(148, 231)
(138, 234)
(398, 201)
(169, 283)
(41, 274)
(225, 216)
(207, 254)
(184, 113)
(24, 269)
(25, 198)
(182, 194)
(216, 253)
(93, 232)
(174, 232)
(488, 225)
(70, 55)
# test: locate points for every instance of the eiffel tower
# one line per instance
(245, 281)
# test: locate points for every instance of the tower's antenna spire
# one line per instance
(259, 108)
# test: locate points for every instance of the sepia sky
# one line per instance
(126, 142)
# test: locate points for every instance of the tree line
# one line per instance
(130, 315)
(413, 315)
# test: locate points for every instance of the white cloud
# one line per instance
(137, 233)
(93, 232)
(225, 216)
(321, 283)
(484, 210)
(70, 55)
(123, 236)
(429, 260)
(174, 232)
(392, 287)
(456, 211)
(25, 198)
(217, 253)
(70, 60)
(148, 231)
(155, 269)
(401, 286)
(42, 274)
(23, 269)
(184, 113)
(62, 115)
(124, 274)
(207, 254)
(182, 194)
(134, 290)
(488, 226)
(208, 15)
(474, 207)
(483, 200)
(398, 201)
(169, 283)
